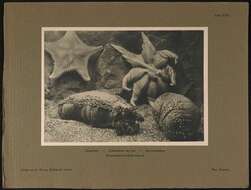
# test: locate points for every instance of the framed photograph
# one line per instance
(125, 95)
(120, 78)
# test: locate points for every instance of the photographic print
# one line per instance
(124, 86)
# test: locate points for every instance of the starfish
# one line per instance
(70, 54)
(150, 58)
(153, 72)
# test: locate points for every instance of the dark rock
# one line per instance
(111, 68)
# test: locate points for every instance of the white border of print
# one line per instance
(172, 143)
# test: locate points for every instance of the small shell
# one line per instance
(101, 109)
(177, 116)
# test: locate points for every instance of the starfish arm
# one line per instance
(159, 61)
(163, 57)
(56, 52)
(138, 88)
(168, 54)
(88, 51)
(57, 72)
(50, 47)
(148, 50)
(134, 59)
(70, 40)
(132, 76)
(82, 65)
(95, 49)
(82, 69)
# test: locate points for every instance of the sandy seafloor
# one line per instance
(58, 130)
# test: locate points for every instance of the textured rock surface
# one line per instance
(111, 69)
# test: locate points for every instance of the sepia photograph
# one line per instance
(125, 95)
(124, 86)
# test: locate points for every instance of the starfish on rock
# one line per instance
(70, 54)
(153, 72)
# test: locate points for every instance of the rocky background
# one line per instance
(107, 70)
